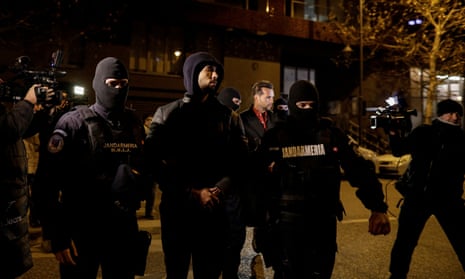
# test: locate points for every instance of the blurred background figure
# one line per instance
(280, 109)
(32, 144)
(15, 251)
(230, 97)
(147, 122)
(150, 186)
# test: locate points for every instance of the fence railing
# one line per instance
(369, 139)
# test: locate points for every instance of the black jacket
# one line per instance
(254, 130)
(195, 143)
(307, 170)
(192, 146)
(14, 241)
(437, 167)
(91, 159)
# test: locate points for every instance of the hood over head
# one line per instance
(110, 98)
(226, 97)
(193, 65)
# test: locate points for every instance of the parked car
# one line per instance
(367, 154)
(391, 166)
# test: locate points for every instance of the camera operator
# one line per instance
(44, 122)
(434, 184)
(14, 235)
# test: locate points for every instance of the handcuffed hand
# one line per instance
(207, 197)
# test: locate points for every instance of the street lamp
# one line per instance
(360, 90)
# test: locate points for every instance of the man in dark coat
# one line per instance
(15, 251)
(434, 184)
(194, 144)
(257, 119)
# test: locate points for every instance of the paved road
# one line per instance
(363, 256)
(360, 256)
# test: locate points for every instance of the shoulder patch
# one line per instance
(56, 143)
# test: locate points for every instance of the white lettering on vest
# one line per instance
(304, 151)
(120, 147)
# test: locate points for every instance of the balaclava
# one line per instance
(110, 98)
(448, 106)
(226, 97)
(303, 90)
(282, 114)
(191, 69)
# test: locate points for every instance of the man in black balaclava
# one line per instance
(304, 156)
(94, 154)
(304, 103)
(280, 109)
(230, 97)
(111, 88)
(194, 144)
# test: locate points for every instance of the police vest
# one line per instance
(112, 146)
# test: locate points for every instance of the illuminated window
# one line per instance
(156, 49)
(291, 74)
(314, 10)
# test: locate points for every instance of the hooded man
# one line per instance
(194, 144)
(304, 155)
(94, 154)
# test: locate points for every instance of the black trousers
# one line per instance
(412, 219)
(235, 237)
(109, 245)
(308, 247)
(192, 234)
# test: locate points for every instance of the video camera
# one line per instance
(395, 115)
(12, 91)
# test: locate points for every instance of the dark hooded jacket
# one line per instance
(194, 144)
(14, 240)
